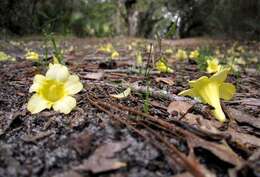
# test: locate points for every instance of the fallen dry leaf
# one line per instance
(245, 139)
(209, 126)
(94, 76)
(124, 94)
(179, 106)
(191, 119)
(82, 143)
(222, 151)
(103, 158)
(242, 117)
(166, 80)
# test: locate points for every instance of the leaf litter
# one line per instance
(114, 137)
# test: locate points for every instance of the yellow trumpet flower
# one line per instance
(5, 57)
(55, 60)
(32, 56)
(240, 61)
(114, 54)
(213, 66)
(168, 51)
(55, 89)
(181, 54)
(108, 48)
(139, 58)
(194, 54)
(210, 90)
(162, 66)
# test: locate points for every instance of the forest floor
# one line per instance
(146, 134)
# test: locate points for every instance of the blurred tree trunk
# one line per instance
(127, 10)
(132, 17)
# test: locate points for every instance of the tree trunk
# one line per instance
(133, 23)
(132, 17)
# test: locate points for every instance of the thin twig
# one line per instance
(191, 165)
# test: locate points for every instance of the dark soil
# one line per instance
(103, 136)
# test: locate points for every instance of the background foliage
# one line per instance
(145, 18)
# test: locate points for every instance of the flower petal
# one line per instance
(227, 91)
(36, 104)
(73, 85)
(57, 72)
(199, 82)
(220, 76)
(65, 105)
(188, 92)
(124, 94)
(37, 83)
(114, 54)
(213, 65)
(219, 114)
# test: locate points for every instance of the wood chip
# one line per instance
(244, 139)
(210, 126)
(242, 117)
(103, 158)
(179, 106)
(222, 151)
(94, 76)
(165, 80)
(82, 143)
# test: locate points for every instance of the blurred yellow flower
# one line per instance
(114, 55)
(213, 65)
(55, 89)
(194, 54)
(240, 61)
(139, 58)
(108, 48)
(55, 60)
(234, 67)
(34, 56)
(218, 53)
(241, 49)
(210, 90)
(5, 57)
(162, 66)
(168, 51)
(181, 54)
